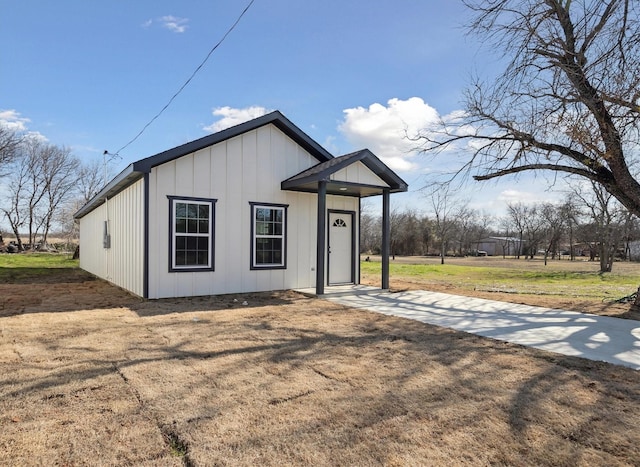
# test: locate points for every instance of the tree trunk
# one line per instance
(18, 238)
(635, 306)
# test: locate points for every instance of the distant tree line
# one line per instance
(42, 184)
(589, 222)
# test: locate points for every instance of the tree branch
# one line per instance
(528, 167)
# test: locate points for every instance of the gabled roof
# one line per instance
(275, 118)
(136, 170)
(309, 179)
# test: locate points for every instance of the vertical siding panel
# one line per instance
(185, 186)
(251, 182)
(201, 170)
(153, 235)
(294, 226)
(285, 164)
(224, 218)
(299, 235)
(237, 260)
(202, 283)
(166, 177)
(92, 254)
(184, 180)
(120, 264)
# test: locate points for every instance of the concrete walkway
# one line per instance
(600, 338)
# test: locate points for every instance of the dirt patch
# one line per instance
(291, 380)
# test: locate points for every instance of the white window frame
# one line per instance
(174, 234)
(255, 236)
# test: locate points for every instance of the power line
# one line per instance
(233, 26)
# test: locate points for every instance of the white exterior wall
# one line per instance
(244, 169)
(358, 173)
(122, 264)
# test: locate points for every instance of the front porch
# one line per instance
(359, 174)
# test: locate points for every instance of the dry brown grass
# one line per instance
(290, 380)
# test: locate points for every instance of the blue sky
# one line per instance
(89, 75)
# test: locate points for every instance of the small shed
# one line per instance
(499, 246)
(257, 207)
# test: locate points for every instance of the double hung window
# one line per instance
(268, 236)
(192, 231)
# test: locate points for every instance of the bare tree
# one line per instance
(370, 237)
(571, 214)
(508, 243)
(91, 179)
(465, 227)
(404, 232)
(518, 214)
(43, 176)
(10, 141)
(59, 177)
(534, 230)
(567, 100)
(608, 222)
(553, 221)
(444, 206)
(426, 234)
(13, 208)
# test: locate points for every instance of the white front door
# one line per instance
(341, 244)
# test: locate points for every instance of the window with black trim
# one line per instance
(268, 236)
(191, 237)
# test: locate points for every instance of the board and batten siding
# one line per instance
(122, 263)
(358, 173)
(244, 169)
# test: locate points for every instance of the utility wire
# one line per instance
(233, 26)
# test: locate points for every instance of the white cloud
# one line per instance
(174, 23)
(12, 120)
(232, 117)
(384, 129)
(170, 22)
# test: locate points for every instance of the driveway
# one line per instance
(599, 338)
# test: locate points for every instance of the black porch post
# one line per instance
(321, 236)
(386, 228)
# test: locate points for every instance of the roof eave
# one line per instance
(123, 180)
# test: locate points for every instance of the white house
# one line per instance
(256, 207)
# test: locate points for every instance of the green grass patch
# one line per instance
(22, 266)
(547, 281)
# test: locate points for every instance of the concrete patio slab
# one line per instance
(599, 338)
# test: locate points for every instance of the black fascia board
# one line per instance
(276, 118)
